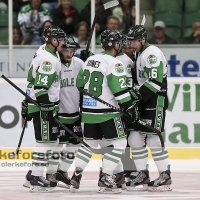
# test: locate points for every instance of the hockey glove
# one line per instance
(24, 111)
(85, 55)
(47, 112)
(133, 114)
(135, 95)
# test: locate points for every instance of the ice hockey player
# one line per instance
(150, 92)
(104, 76)
(44, 86)
(69, 113)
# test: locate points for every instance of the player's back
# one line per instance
(104, 77)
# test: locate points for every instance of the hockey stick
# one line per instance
(13, 154)
(98, 12)
(123, 112)
(96, 151)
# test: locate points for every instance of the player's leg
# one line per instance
(46, 138)
(163, 182)
(117, 137)
(52, 164)
(138, 181)
(84, 154)
(157, 116)
(119, 171)
(128, 162)
(68, 153)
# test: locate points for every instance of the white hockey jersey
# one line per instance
(44, 75)
(69, 94)
(151, 64)
(103, 76)
(128, 64)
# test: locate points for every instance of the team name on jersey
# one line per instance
(141, 73)
(58, 77)
(93, 63)
(67, 82)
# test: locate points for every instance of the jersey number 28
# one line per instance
(96, 81)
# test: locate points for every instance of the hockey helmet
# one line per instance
(109, 38)
(70, 43)
(137, 32)
(53, 32)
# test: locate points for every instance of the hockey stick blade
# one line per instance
(105, 6)
(96, 151)
(13, 154)
(123, 112)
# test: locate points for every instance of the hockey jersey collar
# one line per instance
(67, 64)
(144, 47)
(120, 54)
(51, 52)
(108, 53)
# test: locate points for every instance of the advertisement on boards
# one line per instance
(183, 60)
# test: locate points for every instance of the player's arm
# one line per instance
(80, 79)
(155, 70)
(118, 85)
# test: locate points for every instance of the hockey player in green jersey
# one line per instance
(104, 76)
(150, 92)
(69, 113)
(44, 87)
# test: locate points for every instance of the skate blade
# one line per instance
(39, 189)
(162, 188)
(103, 190)
(140, 188)
(72, 189)
(27, 184)
(62, 185)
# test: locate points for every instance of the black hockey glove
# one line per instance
(135, 95)
(133, 114)
(85, 55)
(47, 112)
(24, 111)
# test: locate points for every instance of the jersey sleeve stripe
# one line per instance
(152, 86)
(122, 96)
(120, 93)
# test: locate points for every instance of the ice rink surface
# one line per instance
(185, 183)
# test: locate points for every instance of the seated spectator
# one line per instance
(194, 38)
(3, 6)
(65, 16)
(125, 12)
(102, 19)
(81, 33)
(112, 24)
(31, 18)
(160, 36)
(50, 4)
(17, 36)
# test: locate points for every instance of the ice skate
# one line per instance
(120, 180)
(28, 178)
(107, 184)
(162, 183)
(63, 179)
(40, 184)
(140, 182)
(75, 180)
(52, 179)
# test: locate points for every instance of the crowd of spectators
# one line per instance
(35, 15)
